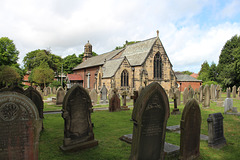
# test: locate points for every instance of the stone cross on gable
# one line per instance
(88, 80)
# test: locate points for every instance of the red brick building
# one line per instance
(25, 79)
(74, 79)
(184, 80)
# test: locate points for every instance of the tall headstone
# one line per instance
(76, 112)
(94, 96)
(206, 91)
(60, 96)
(218, 89)
(228, 93)
(54, 90)
(49, 90)
(114, 102)
(45, 92)
(104, 92)
(171, 93)
(212, 91)
(234, 91)
(190, 93)
(190, 130)
(200, 94)
(216, 137)
(150, 116)
(20, 127)
(36, 98)
(228, 104)
(178, 95)
(185, 96)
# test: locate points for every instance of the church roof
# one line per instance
(111, 66)
(97, 60)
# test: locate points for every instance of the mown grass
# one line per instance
(108, 127)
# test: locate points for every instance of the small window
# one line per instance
(157, 66)
(124, 78)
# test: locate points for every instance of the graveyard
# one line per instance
(110, 126)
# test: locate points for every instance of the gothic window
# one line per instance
(157, 66)
(124, 78)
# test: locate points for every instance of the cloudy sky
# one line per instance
(191, 31)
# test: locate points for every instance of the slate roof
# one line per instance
(111, 66)
(186, 78)
(97, 60)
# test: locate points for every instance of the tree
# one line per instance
(42, 74)
(34, 58)
(70, 62)
(8, 52)
(8, 75)
(204, 72)
(187, 72)
(213, 72)
(229, 63)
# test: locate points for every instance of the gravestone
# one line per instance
(216, 137)
(14, 88)
(45, 92)
(190, 93)
(76, 112)
(114, 102)
(228, 104)
(218, 89)
(150, 116)
(178, 95)
(185, 96)
(170, 93)
(196, 94)
(228, 93)
(239, 92)
(60, 96)
(190, 130)
(49, 90)
(36, 98)
(104, 92)
(212, 91)
(234, 90)
(94, 96)
(134, 97)
(200, 94)
(175, 109)
(206, 92)
(124, 101)
(54, 90)
(20, 127)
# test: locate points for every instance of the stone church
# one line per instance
(128, 68)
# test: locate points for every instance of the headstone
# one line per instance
(185, 96)
(20, 127)
(190, 130)
(36, 98)
(14, 88)
(124, 101)
(212, 91)
(114, 102)
(170, 93)
(234, 91)
(150, 116)
(239, 92)
(60, 96)
(191, 93)
(196, 94)
(134, 97)
(175, 109)
(218, 89)
(54, 90)
(94, 96)
(49, 90)
(228, 93)
(228, 104)
(178, 95)
(104, 92)
(76, 112)
(216, 137)
(200, 94)
(206, 91)
(45, 92)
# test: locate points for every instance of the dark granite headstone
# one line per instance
(150, 116)
(216, 137)
(36, 98)
(190, 130)
(76, 112)
(20, 127)
(60, 96)
(104, 92)
(114, 102)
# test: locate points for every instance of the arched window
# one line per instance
(124, 78)
(157, 66)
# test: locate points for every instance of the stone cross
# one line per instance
(124, 99)
(134, 97)
(175, 110)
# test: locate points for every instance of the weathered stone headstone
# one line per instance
(94, 96)
(212, 91)
(76, 112)
(196, 94)
(54, 90)
(234, 91)
(200, 94)
(228, 93)
(49, 90)
(45, 93)
(190, 130)
(206, 92)
(218, 89)
(104, 92)
(228, 104)
(170, 93)
(20, 127)
(190, 93)
(124, 101)
(114, 102)
(185, 96)
(60, 96)
(178, 95)
(239, 92)
(150, 116)
(216, 137)
(36, 98)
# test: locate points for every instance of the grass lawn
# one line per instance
(108, 127)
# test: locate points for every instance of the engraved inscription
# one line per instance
(9, 111)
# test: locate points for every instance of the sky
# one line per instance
(191, 31)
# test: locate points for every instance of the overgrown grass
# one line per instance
(108, 127)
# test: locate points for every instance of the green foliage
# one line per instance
(127, 43)
(185, 72)
(42, 74)
(34, 58)
(55, 84)
(209, 83)
(204, 72)
(70, 62)
(8, 75)
(8, 52)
